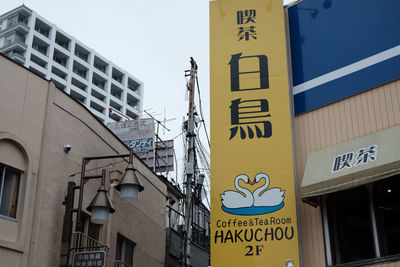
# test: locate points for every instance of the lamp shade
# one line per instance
(100, 215)
(129, 192)
(101, 206)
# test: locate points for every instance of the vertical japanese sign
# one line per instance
(253, 215)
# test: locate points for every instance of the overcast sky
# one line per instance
(152, 40)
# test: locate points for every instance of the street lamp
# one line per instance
(130, 184)
(101, 206)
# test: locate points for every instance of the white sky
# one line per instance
(152, 39)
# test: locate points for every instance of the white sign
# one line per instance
(137, 134)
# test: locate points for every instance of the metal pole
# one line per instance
(81, 186)
(69, 206)
(189, 166)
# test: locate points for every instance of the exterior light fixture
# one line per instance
(130, 184)
(289, 263)
(101, 205)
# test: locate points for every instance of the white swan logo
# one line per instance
(261, 201)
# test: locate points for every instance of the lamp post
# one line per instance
(101, 205)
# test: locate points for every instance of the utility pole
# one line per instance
(190, 164)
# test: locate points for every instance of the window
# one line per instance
(42, 28)
(87, 227)
(60, 58)
(363, 222)
(40, 46)
(9, 39)
(133, 85)
(117, 75)
(16, 19)
(81, 52)
(14, 37)
(9, 189)
(93, 230)
(124, 253)
(100, 64)
(79, 69)
(387, 206)
(12, 21)
(62, 40)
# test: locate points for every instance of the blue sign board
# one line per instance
(342, 47)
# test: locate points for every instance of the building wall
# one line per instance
(39, 119)
(357, 116)
(22, 109)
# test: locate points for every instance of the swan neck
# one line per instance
(241, 189)
(262, 188)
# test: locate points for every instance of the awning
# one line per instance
(351, 164)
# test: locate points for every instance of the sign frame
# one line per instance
(88, 254)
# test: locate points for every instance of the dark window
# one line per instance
(350, 225)
(88, 228)
(93, 230)
(387, 206)
(128, 256)
(354, 215)
(124, 253)
(9, 188)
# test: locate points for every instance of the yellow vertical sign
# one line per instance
(253, 214)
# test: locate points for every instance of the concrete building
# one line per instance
(45, 49)
(36, 121)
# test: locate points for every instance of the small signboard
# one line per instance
(89, 258)
(137, 134)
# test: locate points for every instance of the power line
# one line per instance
(205, 163)
(201, 111)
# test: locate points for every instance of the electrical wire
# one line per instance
(201, 111)
(204, 162)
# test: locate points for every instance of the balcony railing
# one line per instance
(82, 242)
(16, 43)
(19, 26)
(17, 57)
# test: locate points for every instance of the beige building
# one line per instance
(348, 165)
(36, 121)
